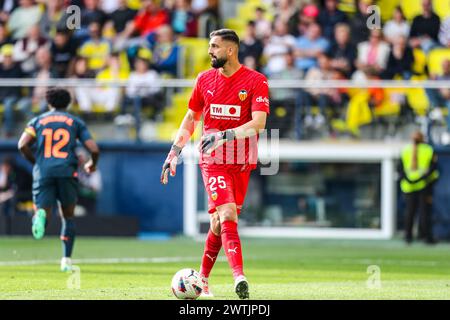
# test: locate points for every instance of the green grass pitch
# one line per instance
(114, 268)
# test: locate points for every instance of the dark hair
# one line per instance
(63, 30)
(58, 98)
(399, 9)
(226, 34)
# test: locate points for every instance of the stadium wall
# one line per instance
(131, 172)
(441, 204)
(130, 176)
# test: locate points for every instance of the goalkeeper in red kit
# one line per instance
(234, 103)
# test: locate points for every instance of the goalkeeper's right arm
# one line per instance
(187, 128)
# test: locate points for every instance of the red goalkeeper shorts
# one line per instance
(225, 187)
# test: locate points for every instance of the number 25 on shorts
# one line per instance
(219, 181)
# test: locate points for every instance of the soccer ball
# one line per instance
(187, 284)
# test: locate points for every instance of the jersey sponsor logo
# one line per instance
(224, 111)
(243, 95)
(210, 92)
(265, 100)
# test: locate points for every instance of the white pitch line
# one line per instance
(429, 263)
(103, 261)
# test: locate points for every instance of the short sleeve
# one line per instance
(83, 132)
(31, 127)
(260, 99)
(196, 102)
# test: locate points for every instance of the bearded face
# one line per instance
(218, 52)
(217, 63)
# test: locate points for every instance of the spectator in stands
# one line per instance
(207, 13)
(25, 49)
(372, 54)
(165, 52)
(147, 20)
(441, 97)
(183, 19)
(9, 95)
(324, 97)
(251, 47)
(23, 18)
(122, 16)
(142, 89)
(6, 7)
(4, 36)
(263, 27)
(104, 95)
(284, 96)
(299, 22)
(425, 28)
(329, 18)
(342, 52)
(398, 26)
(63, 49)
(90, 13)
(400, 61)
(284, 10)
(42, 74)
(79, 69)
(109, 6)
(96, 49)
(358, 23)
(205, 6)
(309, 47)
(444, 33)
(279, 43)
(78, 3)
(52, 18)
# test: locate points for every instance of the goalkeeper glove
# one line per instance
(212, 141)
(170, 164)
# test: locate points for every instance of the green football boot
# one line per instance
(38, 227)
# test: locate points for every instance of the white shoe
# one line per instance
(66, 264)
(205, 291)
(241, 287)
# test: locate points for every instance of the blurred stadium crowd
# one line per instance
(144, 41)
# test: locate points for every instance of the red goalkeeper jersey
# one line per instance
(227, 103)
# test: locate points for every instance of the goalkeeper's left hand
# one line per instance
(212, 141)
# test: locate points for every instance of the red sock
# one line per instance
(232, 246)
(213, 245)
